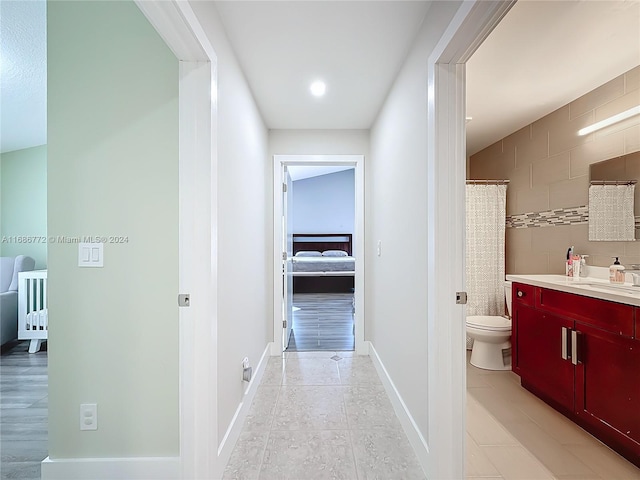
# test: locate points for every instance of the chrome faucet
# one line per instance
(635, 274)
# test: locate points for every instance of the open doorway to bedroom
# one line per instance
(321, 218)
(317, 252)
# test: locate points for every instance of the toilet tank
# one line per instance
(507, 295)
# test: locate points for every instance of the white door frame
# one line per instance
(446, 221)
(177, 24)
(361, 347)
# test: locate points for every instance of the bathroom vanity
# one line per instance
(576, 345)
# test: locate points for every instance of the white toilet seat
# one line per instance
(492, 323)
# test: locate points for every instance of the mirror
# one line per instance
(623, 168)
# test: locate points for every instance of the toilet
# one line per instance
(491, 335)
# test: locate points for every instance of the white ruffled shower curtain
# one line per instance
(485, 270)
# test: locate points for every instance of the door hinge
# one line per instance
(284, 255)
(184, 300)
(284, 324)
(461, 298)
(284, 187)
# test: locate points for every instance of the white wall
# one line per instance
(113, 171)
(396, 213)
(324, 204)
(245, 286)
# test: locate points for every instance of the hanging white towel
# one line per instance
(611, 216)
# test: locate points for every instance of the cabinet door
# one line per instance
(608, 386)
(540, 362)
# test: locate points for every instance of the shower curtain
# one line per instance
(485, 259)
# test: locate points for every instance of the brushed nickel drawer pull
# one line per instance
(564, 344)
(574, 347)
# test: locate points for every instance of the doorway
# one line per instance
(319, 219)
(318, 252)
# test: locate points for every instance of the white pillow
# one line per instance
(335, 253)
(308, 253)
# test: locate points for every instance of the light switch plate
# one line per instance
(91, 255)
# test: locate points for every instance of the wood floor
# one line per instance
(23, 411)
(324, 322)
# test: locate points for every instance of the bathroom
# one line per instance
(549, 168)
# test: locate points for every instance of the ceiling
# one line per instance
(23, 74)
(355, 47)
(543, 55)
(300, 172)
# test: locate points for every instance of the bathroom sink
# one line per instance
(610, 287)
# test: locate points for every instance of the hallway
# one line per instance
(322, 415)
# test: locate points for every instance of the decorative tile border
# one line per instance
(550, 218)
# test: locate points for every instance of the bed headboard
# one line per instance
(322, 241)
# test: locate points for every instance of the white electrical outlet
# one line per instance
(246, 370)
(89, 416)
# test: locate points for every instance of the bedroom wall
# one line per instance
(245, 288)
(113, 170)
(23, 201)
(396, 186)
(324, 204)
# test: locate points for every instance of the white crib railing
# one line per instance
(33, 322)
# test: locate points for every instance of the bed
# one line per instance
(323, 263)
(33, 314)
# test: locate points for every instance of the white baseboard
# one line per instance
(136, 468)
(416, 439)
(235, 427)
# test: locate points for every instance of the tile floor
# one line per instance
(315, 417)
(501, 414)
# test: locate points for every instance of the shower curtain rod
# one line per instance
(487, 182)
(613, 182)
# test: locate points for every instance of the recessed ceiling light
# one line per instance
(318, 88)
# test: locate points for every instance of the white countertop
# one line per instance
(586, 286)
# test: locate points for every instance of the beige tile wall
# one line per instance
(547, 164)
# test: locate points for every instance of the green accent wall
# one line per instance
(23, 204)
(113, 171)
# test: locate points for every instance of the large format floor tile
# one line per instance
(564, 449)
(321, 429)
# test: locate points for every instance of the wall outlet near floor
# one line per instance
(88, 416)
(247, 371)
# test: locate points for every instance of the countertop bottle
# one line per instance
(616, 272)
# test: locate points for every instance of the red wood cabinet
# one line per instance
(540, 362)
(582, 356)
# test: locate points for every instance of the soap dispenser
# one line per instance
(616, 272)
(583, 266)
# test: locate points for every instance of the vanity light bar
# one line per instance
(610, 121)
